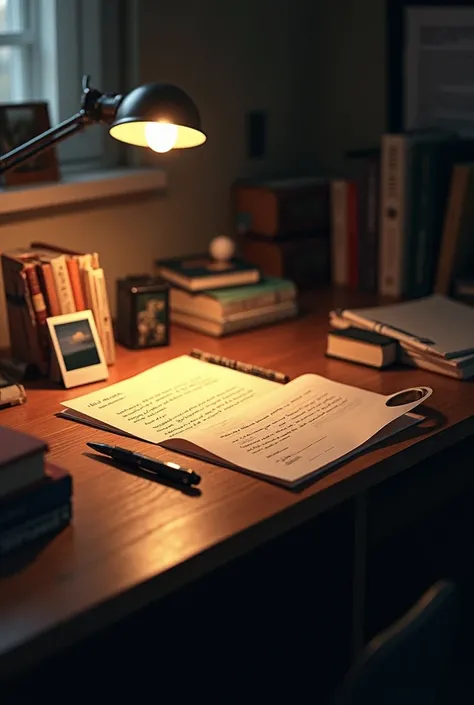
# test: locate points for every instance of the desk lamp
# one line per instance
(159, 116)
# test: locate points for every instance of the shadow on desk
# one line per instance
(272, 626)
(16, 561)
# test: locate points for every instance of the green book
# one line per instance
(219, 304)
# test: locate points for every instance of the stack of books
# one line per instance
(434, 333)
(284, 226)
(12, 393)
(222, 302)
(44, 280)
(35, 496)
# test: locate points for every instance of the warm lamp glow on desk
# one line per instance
(159, 116)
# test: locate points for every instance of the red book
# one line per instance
(353, 235)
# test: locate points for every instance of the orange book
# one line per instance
(75, 277)
(49, 289)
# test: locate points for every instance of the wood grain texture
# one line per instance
(133, 540)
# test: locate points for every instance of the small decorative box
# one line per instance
(143, 312)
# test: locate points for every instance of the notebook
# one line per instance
(434, 324)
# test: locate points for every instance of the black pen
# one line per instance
(171, 472)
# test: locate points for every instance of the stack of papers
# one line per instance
(434, 333)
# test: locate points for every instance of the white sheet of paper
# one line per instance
(169, 399)
(306, 425)
(284, 432)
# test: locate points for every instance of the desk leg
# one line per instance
(359, 573)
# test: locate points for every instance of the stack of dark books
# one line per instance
(284, 227)
(35, 495)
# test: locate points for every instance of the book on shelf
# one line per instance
(285, 433)
(36, 511)
(344, 235)
(220, 303)
(362, 346)
(302, 259)
(406, 232)
(21, 460)
(355, 208)
(201, 272)
(235, 322)
(416, 171)
(281, 207)
(457, 247)
(45, 280)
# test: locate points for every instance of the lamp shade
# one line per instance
(158, 107)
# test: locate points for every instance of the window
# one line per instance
(16, 44)
(45, 48)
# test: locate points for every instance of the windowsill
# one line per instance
(81, 188)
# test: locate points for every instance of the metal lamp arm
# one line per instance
(96, 107)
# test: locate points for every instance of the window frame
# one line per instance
(23, 40)
(62, 41)
(68, 45)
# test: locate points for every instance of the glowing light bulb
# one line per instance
(161, 136)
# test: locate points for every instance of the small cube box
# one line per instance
(143, 312)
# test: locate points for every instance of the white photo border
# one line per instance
(81, 375)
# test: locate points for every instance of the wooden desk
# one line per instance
(134, 541)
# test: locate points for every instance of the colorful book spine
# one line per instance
(103, 314)
(76, 285)
(287, 291)
(45, 273)
(63, 284)
(40, 310)
(339, 233)
(392, 277)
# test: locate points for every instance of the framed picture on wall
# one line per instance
(430, 61)
(20, 122)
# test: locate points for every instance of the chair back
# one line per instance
(406, 663)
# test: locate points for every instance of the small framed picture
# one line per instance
(77, 348)
(143, 312)
(20, 122)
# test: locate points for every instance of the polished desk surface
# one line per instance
(133, 540)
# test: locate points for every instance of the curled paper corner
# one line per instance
(413, 395)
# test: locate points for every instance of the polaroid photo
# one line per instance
(77, 348)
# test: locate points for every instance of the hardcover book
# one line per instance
(21, 460)
(36, 511)
(243, 320)
(200, 272)
(275, 208)
(363, 346)
(221, 303)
